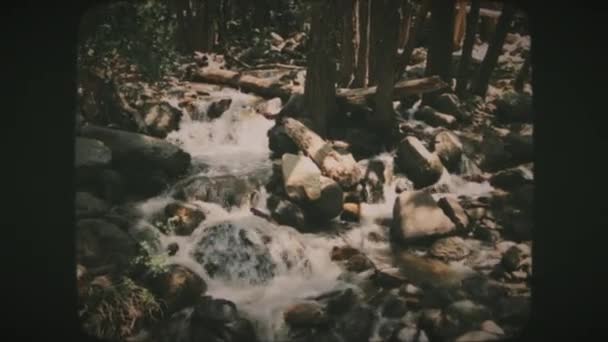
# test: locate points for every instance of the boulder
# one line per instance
(91, 156)
(513, 258)
(477, 336)
(329, 204)
(356, 324)
(279, 142)
(184, 217)
(514, 107)
(452, 208)
(305, 315)
(449, 150)
(513, 178)
(270, 108)
(422, 167)
(351, 212)
(132, 151)
(394, 307)
(373, 180)
(450, 248)
(113, 186)
(341, 302)
(301, 177)
(218, 320)
(177, 286)
(89, 206)
(226, 190)
(172, 248)
(217, 108)
(417, 215)
(450, 104)
(286, 212)
(469, 312)
(434, 118)
(162, 118)
(101, 243)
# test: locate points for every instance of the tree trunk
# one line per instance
(261, 13)
(387, 38)
(375, 28)
(340, 167)
(404, 59)
(406, 22)
(350, 42)
(467, 49)
(522, 75)
(494, 50)
(362, 71)
(439, 58)
(209, 16)
(459, 24)
(320, 85)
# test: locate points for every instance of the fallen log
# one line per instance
(342, 168)
(356, 97)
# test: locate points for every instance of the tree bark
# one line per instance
(467, 49)
(376, 26)
(341, 168)
(350, 42)
(480, 86)
(439, 56)
(406, 23)
(404, 59)
(387, 38)
(320, 85)
(362, 70)
(459, 24)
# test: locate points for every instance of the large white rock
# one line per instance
(301, 177)
(416, 215)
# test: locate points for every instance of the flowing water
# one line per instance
(236, 144)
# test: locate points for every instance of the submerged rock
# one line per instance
(217, 108)
(417, 215)
(356, 325)
(286, 212)
(184, 217)
(422, 167)
(304, 315)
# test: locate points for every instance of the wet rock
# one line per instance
(513, 257)
(452, 208)
(301, 177)
(421, 166)
(217, 108)
(132, 151)
(184, 217)
(492, 328)
(231, 251)
(113, 186)
(329, 204)
(513, 178)
(494, 152)
(100, 243)
(177, 286)
(451, 248)
(350, 212)
(218, 320)
(162, 118)
(359, 263)
(403, 184)
(520, 144)
(91, 153)
(148, 184)
(477, 336)
(228, 191)
(376, 237)
(373, 179)
(417, 215)
(304, 315)
(172, 249)
(514, 107)
(468, 311)
(286, 212)
(279, 142)
(389, 278)
(356, 325)
(270, 108)
(343, 253)
(394, 307)
(449, 150)
(341, 302)
(435, 118)
(214, 310)
(89, 206)
(450, 104)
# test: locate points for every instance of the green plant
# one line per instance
(117, 311)
(150, 261)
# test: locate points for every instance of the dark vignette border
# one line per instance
(571, 213)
